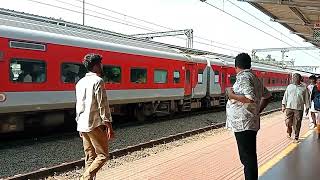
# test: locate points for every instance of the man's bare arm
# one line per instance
(264, 103)
(240, 98)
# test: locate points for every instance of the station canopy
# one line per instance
(301, 17)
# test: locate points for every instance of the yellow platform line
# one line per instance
(268, 165)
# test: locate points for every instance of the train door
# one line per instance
(188, 79)
(223, 79)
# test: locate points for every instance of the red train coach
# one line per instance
(40, 62)
(41, 70)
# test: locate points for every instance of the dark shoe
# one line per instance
(319, 136)
(288, 135)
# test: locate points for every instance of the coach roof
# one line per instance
(47, 37)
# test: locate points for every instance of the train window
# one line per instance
(112, 74)
(232, 79)
(216, 77)
(27, 45)
(176, 76)
(27, 70)
(138, 75)
(273, 81)
(72, 72)
(188, 76)
(269, 81)
(160, 76)
(200, 76)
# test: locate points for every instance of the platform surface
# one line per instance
(302, 163)
(214, 157)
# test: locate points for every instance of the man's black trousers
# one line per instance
(247, 147)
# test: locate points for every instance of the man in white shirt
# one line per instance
(312, 115)
(294, 99)
(93, 116)
(247, 98)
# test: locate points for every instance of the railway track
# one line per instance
(45, 172)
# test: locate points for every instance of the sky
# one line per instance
(215, 30)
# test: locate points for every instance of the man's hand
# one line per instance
(229, 92)
(283, 108)
(264, 103)
(109, 131)
(80, 134)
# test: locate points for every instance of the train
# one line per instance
(40, 64)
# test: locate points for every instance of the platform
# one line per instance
(302, 163)
(214, 157)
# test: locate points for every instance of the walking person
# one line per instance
(315, 97)
(247, 99)
(294, 99)
(93, 116)
(313, 112)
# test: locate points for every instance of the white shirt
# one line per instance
(92, 106)
(296, 96)
(310, 88)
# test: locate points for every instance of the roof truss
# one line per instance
(299, 16)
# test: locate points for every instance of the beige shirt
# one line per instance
(92, 106)
(296, 96)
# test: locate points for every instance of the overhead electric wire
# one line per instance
(247, 23)
(86, 14)
(138, 25)
(152, 23)
(123, 14)
(260, 20)
(269, 26)
(255, 27)
(125, 24)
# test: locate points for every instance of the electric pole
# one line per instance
(83, 12)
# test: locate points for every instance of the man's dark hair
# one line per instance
(90, 60)
(312, 77)
(297, 76)
(243, 61)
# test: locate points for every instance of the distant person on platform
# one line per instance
(302, 82)
(294, 99)
(93, 116)
(313, 112)
(247, 99)
(315, 99)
